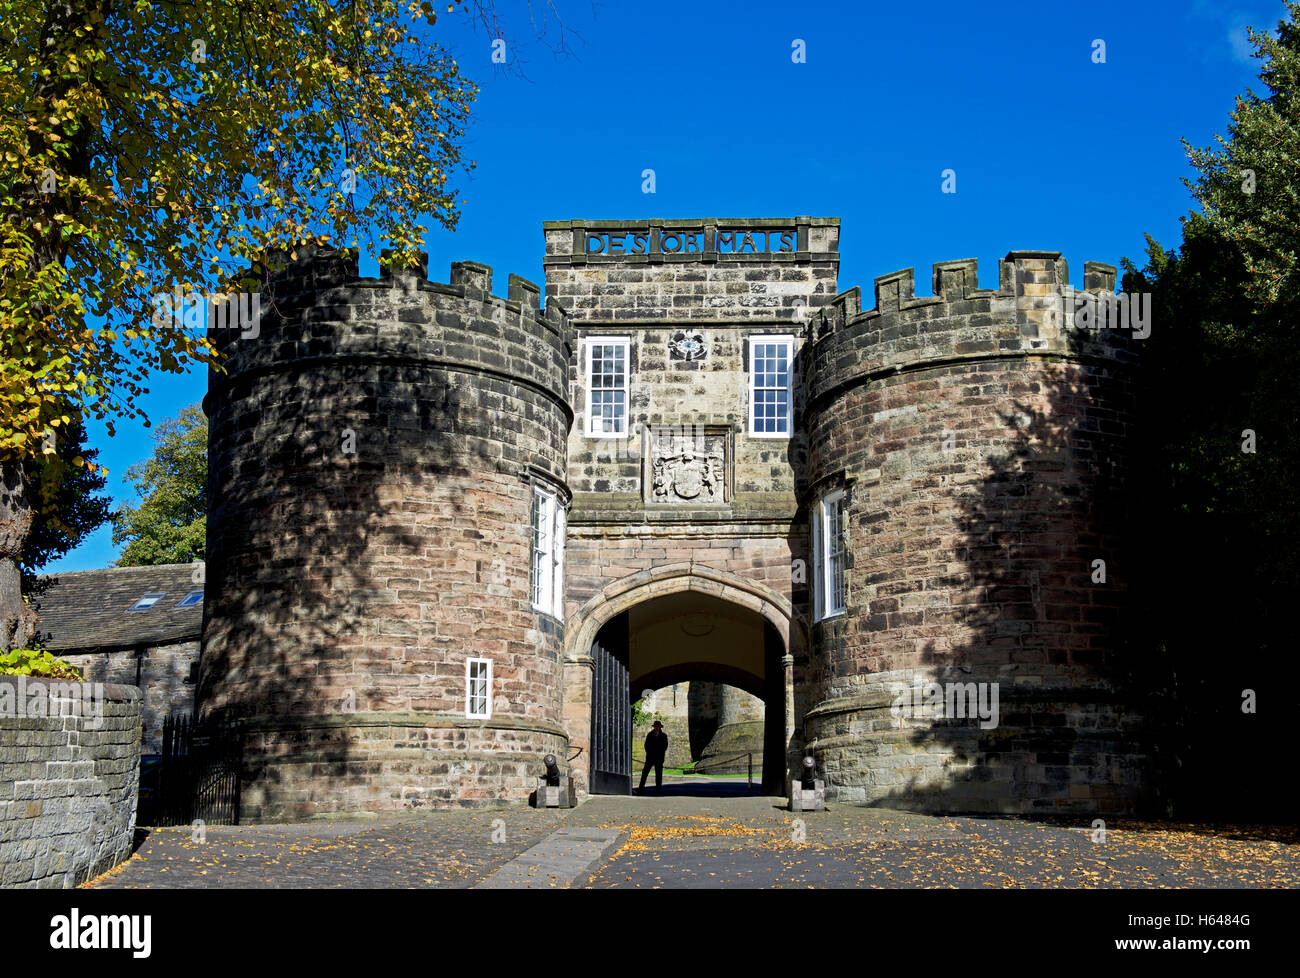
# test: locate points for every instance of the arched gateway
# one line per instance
(451, 532)
(669, 624)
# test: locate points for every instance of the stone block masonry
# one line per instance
(164, 680)
(68, 784)
(377, 446)
(762, 282)
(982, 452)
(726, 283)
(373, 459)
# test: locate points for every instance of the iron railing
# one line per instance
(718, 761)
(198, 777)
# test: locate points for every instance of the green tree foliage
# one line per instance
(641, 717)
(37, 664)
(146, 146)
(170, 525)
(1249, 186)
(70, 508)
(1260, 225)
(1221, 524)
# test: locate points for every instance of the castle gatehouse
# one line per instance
(452, 532)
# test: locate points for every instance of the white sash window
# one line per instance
(770, 370)
(607, 373)
(548, 553)
(478, 688)
(828, 546)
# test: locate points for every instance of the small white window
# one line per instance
(478, 688)
(147, 601)
(548, 553)
(828, 591)
(770, 371)
(607, 371)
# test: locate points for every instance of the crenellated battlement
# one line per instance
(1027, 274)
(1030, 313)
(317, 305)
(436, 512)
(316, 269)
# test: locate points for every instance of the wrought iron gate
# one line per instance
(611, 712)
(197, 777)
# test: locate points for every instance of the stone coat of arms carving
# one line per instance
(688, 470)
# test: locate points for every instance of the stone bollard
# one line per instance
(808, 793)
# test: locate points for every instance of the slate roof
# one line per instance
(87, 610)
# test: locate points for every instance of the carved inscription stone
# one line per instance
(692, 241)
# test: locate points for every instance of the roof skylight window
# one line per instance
(147, 601)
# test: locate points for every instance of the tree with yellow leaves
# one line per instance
(152, 146)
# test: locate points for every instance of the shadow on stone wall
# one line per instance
(1174, 639)
(368, 531)
(309, 608)
(702, 714)
(1026, 609)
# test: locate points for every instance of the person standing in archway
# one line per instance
(656, 749)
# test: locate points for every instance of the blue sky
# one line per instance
(1051, 150)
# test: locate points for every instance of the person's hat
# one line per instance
(657, 724)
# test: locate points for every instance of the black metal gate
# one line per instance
(611, 711)
(198, 776)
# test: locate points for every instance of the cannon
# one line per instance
(809, 774)
(808, 792)
(555, 791)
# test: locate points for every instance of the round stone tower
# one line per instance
(376, 448)
(740, 730)
(974, 445)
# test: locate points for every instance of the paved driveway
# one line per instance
(683, 839)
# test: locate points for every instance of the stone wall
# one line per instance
(600, 554)
(372, 462)
(785, 269)
(740, 719)
(677, 706)
(679, 744)
(724, 299)
(374, 450)
(68, 781)
(981, 447)
(651, 282)
(704, 719)
(161, 672)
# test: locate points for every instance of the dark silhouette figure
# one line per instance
(656, 749)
